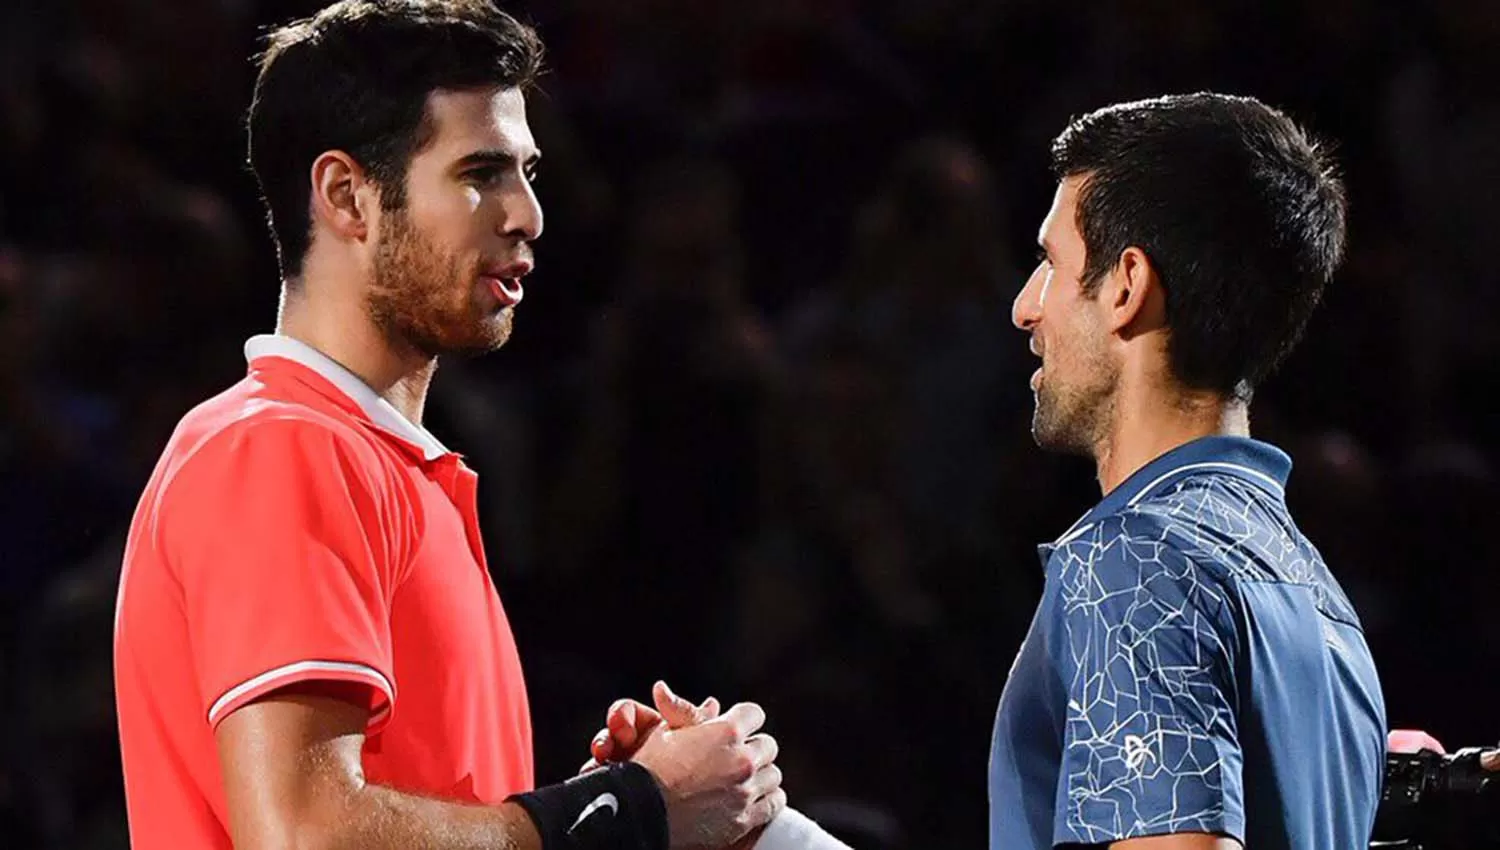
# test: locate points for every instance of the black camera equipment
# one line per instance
(1436, 801)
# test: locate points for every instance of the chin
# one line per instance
(1055, 433)
(492, 335)
(477, 340)
(1060, 443)
(499, 329)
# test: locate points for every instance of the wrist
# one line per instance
(619, 807)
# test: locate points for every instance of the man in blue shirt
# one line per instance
(1194, 677)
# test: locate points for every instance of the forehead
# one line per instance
(1061, 224)
(466, 121)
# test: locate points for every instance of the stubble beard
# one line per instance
(1075, 419)
(425, 301)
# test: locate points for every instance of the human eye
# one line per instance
(484, 175)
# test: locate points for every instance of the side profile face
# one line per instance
(1074, 386)
(449, 261)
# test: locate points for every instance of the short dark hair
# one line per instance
(355, 77)
(1240, 212)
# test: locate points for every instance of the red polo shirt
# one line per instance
(297, 528)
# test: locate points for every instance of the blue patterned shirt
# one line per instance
(1192, 667)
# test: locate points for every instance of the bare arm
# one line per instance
(1180, 841)
(293, 781)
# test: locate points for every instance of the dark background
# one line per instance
(763, 425)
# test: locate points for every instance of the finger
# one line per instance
(675, 710)
(699, 714)
(611, 747)
(745, 718)
(1490, 760)
(765, 810)
(683, 713)
(621, 723)
(765, 781)
(634, 712)
(708, 710)
(763, 749)
(603, 746)
(663, 695)
(629, 722)
(589, 766)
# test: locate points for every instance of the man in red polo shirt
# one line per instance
(308, 648)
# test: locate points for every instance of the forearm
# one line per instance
(380, 818)
(374, 817)
(618, 807)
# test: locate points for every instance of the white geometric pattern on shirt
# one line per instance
(1148, 648)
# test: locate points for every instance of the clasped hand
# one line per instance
(718, 777)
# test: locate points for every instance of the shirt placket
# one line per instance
(461, 484)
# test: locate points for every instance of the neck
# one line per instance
(1147, 425)
(342, 330)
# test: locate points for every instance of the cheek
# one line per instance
(1091, 350)
(449, 214)
(450, 234)
(1068, 346)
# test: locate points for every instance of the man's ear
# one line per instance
(343, 196)
(1133, 298)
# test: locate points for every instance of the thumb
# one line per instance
(675, 710)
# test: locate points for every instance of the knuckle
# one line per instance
(772, 748)
(778, 802)
(743, 766)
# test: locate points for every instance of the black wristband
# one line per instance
(618, 807)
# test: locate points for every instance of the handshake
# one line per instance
(717, 773)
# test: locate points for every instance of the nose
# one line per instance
(1026, 311)
(523, 213)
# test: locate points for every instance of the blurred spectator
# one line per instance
(664, 485)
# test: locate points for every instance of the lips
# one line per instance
(504, 281)
(506, 290)
(1036, 377)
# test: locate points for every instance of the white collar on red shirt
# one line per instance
(380, 411)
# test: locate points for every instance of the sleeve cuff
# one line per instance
(792, 830)
(309, 671)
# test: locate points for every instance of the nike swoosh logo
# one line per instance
(603, 801)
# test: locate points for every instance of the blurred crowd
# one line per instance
(763, 427)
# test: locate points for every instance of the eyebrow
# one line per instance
(494, 157)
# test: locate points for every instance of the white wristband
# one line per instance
(792, 830)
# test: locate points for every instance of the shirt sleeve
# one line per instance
(1144, 641)
(275, 532)
(792, 830)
